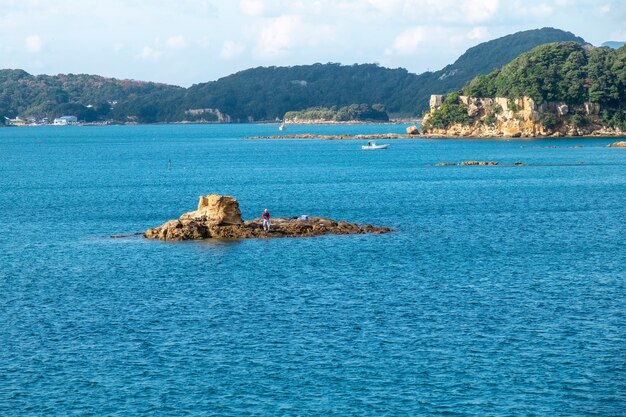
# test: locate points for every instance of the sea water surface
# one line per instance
(501, 293)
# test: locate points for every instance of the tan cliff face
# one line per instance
(216, 210)
(522, 117)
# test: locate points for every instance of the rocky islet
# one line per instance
(219, 217)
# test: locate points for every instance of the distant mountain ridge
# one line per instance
(491, 55)
(263, 93)
(614, 44)
(281, 89)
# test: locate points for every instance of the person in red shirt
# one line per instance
(266, 220)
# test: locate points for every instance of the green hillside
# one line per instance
(23, 94)
(590, 81)
(488, 56)
(264, 93)
(567, 72)
(268, 92)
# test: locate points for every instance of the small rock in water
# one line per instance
(480, 163)
(412, 130)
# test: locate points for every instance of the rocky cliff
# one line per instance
(522, 117)
(219, 217)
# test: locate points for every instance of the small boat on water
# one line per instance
(282, 126)
(372, 146)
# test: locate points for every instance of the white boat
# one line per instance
(282, 126)
(372, 146)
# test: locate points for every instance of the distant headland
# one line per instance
(558, 89)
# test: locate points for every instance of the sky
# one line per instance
(184, 42)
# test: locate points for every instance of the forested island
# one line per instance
(352, 113)
(556, 89)
(258, 94)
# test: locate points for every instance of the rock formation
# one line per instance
(412, 130)
(621, 144)
(371, 136)
(469, 163)
(219, 217)
(477, 163)
(523, 117)
(216, 210)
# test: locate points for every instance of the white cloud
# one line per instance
(478, 33)
(149, 54)
(409, 41)
(541, 10)
(231, 49)
(252, 7)
(245, 33)
(33, 43)
(386, 6)
(476, 11)
(177, 42)
(278, 36)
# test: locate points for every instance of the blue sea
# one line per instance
(502, 291)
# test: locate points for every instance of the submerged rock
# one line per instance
(481, 163)
(219, 217)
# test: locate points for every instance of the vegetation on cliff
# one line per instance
(450, 112)
(354, 112)
(562, 72)
(559, 87)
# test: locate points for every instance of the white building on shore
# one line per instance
(65, 120)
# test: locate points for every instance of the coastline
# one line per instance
(380, 136)
(260, 122)
(436, 136)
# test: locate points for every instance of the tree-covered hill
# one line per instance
(566, 72)
(268, 92)
(488, 56)
(23, 94)
(354, 112)
(572, 85)
(264, 93)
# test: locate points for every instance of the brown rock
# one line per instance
(475, 163)
(620, 144)
(412, 130)
(472, 110)
(217, 210)
(216, 217)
